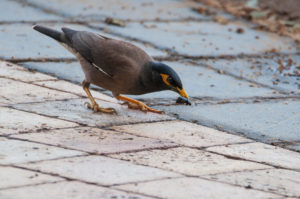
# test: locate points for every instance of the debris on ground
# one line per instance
(116, 22)
(282, 17)
(182, 100)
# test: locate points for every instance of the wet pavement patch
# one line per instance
(76, 111)
(126, 10)
(205, 38)
(265, 121)
(280, 73)
(12, 11)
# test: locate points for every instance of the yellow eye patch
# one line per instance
(165, 77)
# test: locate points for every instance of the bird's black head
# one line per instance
(169, 78)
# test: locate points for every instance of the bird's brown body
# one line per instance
(121, 60)
(116, 65)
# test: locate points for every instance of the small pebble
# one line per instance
(182, 100)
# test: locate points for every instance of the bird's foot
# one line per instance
(143, 107)
(95, 107)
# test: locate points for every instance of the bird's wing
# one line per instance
(109, 55)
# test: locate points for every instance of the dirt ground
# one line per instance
(280, 16)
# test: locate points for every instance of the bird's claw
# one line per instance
(95, 107)
(143, 107)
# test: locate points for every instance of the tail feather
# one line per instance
(59, 36)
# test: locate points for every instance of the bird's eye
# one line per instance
(169, 79)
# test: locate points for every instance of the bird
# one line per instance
(117, 66)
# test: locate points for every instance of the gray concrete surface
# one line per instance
(244, 86)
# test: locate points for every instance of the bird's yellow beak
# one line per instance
(182, 93)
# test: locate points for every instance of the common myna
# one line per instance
(115, 65)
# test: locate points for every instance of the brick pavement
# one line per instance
(54, 147)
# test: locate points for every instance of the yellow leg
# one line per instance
(137, 104)
(94, 106)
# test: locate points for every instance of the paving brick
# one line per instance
(13, 71)
(12, 92)
(15, 177)
(60, 69)
(16, 152)
(13, 11)
(74, 190)
(264, 120)
(262, 70)
(188, 161)
(279, 181)
(185, 188)
(181, 132)
(295, 147)
(13, 121)
(101, 170)
(205, 38)
(130, 9)
(76, 111)
(95, 140)
(75, 89)
(263, 153)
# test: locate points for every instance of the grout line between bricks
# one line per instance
(31, 185)
(240, 158)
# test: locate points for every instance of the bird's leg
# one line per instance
(137, 104)
(94, 106)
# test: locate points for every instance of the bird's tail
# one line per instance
(59, 36)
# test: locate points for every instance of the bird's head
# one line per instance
(168, 78)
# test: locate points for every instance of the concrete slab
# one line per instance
(131, 9)
(12, 92)
(20, 41)
(95, 140)
(13, 121)
(76, 111)
(15, 177)
(279, 181)
(16, 72)
(198, 81)
(16, 152)
(262, 70)
(181, 132)
(58, 69)
(74, 89)
(205, 38)
(242, 118)
(192, 162)
(185, 188)
(262, 153)
(100, 170)
(295, 147)
(12, 11)
(70, 189)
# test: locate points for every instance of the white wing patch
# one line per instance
(101, 70)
